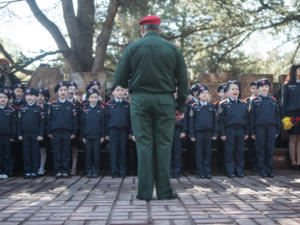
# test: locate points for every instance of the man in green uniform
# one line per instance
(152, 68)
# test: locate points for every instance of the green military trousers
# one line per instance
(153, 121)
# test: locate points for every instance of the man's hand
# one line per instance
(214, 138)
(179, 116)
(101, 140)
(50, 136)
(246, 137)
(107, 138)
(73, 136)
(84, 140)
(133, 138)
(193, 139)
(253, 137)
(20, 138)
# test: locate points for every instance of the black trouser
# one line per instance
(118, 147)
(5, 155)
(234, 150)
(251, 153)
(265, 142)
(61, 144)
(203, 152)
(31, 153)
(92, 156)
(176, 152)
(220, 155)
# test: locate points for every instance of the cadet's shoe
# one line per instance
(176, 175)
(27, 176)
(240, 175)
(172, 196)
(231, 175)
(263, 175)
(4, 176)
(58, 175)
(33, 175)
(41, 172)
(1, 176)
(253, 169)
(89, 175)
(145, 199)
(114, 176)
(95, 175)
(200, 176)
(294, 167)
(208, 176)
(65, 175)
(271, 174)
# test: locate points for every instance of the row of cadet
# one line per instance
(35, 122)
(233, 122)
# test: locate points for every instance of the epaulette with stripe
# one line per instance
(223, 101)
(12, 108)
(54, 101)
(274, 98)
(108, 102)
(246, 98)
(127, 101)
(195, 103)
(41, 106)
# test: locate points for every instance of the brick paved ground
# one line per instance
(79, 200)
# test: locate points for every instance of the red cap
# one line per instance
(150, 20)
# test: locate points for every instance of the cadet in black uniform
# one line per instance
(92, 132)
(31, 128)
(180, 131)
(203, 129)
(62, 128)
(16, 159)
(291, 108)
(251, 154)
(7, 132)
(43, 101)
(234, 129)
(117, 130)
(95, 84)
(220, 144)
(72, 92)
(265, 127)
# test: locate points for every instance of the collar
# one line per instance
(152, 34)
(2, 107)
(61, 101)
(30, 104)
(233, 99)
(93, 106)
(118, 100)
(263, 96)
(203, 104)
(298, 81)
(70, 99)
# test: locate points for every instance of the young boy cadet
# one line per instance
(95, 84)
(31, 129)
(250, 142)
(18, 93)
(8, 133)
(72, 92)
(92, 132)
(203, 129)
(117, 130)
(234, 129)
(265, 127)
(179, 133)
(62, 128)
(42, 101)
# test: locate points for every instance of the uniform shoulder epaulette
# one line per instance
(79, 101)
(256, 97)
(246, 98)
(72, 103)
(41, 106)
(127, 101)
(242, 100)
(195, 103)
(102, 106)
(217, 102)
(188, 101)
(12, 108)
(54, 101)
(84, 107)
(274, 98)
(108, 102)
(21, 106)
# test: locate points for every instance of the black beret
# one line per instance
(5, 91)
(203, 88)
(114, 86)
(221, 87)
(31, 91)
(72, 83)
(45, 92)
(253, 83)
(232, 82)
(60, 84)
(18, 85)
(91, 91)
(262, 82)
(92, 83)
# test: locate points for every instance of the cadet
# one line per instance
(72, 91)
(18, 93)
(8, 132)
(265, 125)
(43, 101)
(92, 132)
(234, 129)
(179, 133)
(62, 128)
(153, 67)
(291, 108)
(250, 142)
(203, 129)
(117, 130)
(220, 144)
(31, 129)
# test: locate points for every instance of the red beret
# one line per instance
(150, 20)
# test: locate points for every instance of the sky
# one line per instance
(25, 32)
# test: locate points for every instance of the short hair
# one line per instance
(151, 27)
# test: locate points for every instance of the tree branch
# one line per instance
(6, 54)
(103, 38)
(295, 53)
(4, 4)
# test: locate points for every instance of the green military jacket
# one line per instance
(153, 65)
